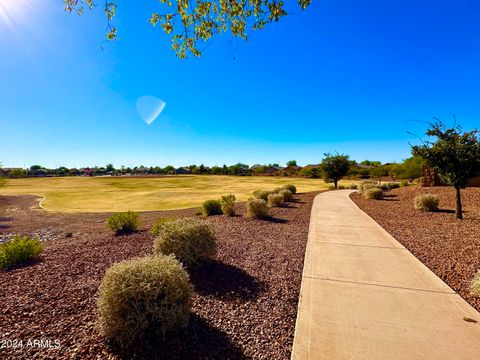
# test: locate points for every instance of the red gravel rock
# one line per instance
(448, 247)
(244, 306)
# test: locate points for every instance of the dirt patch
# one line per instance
(449, 247)
(245, 302)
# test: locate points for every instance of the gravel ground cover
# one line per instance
(449, 247)
(244, 306)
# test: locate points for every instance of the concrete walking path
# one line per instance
(364, 296)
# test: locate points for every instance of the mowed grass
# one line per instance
(104, 194)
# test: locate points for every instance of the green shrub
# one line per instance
(19, 250)
(331, 187)
(228, 204)
(373, 193)
(257, 209)
(366, 184)
(212, 207)
(123, 223)
(291, 187)
(198, 212)
(391, 186)
(275, 200)
(341, 187)
(353, 186)
(404, 183)
(287, 195)
(143, 297)
(426, 202)
(475, 285)
(262, 194)
(190, 240)
(158, 225)
(384, 187)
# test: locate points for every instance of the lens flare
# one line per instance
(149, 108)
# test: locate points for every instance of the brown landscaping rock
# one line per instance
(245, 301)
(449, 247)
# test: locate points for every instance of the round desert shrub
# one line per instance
(158, 225)
(475, 285)
(262, 194)
(190, 240)
(287, 195)
(426, 202)
(364, 185)
(228, 204)
(143, 297)
(123, 223)
(257, 209)
(212, 207)
(353, 186)
(391, 186)
(373, 194)
(291, 187)
(275, 200)
(19, 250)
(341, 187)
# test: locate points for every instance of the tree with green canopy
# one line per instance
(191, 22)
(335, 167)
(455, 155)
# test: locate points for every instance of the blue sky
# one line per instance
(345, 76)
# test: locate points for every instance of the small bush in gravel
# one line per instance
(212, 207)
(373, 194)
(426, 202)
(198, 212)
(257, 209)
(262, 194)
(341, 187)
(353, 186)
(391, 186)
(404, 183)
(287, 195)
(228, 204)
(275, 200)
(19, 250)
(158, 225)
(368, 185)
(123, 223)
(475, 285)
(190, 240)
(291, 187)
(143, 297)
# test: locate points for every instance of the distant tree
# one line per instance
(110, 168)
(455, 155)
(191, 23)
(411, 168)
(17, 173)
(371, 163)
(335, 167)
(292, 163)
(36, 167)
(378, 172)
(216, 170)
(393, 170)
(309, 172)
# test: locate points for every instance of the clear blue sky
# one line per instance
(350, 76)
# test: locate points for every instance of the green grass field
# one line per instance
(101, 194)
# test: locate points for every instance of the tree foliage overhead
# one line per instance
(191, 22)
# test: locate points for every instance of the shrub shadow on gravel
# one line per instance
(199, 340)
(225, 281)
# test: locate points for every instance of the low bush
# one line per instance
(426, 202)
(364, 186)
(373, 194)
(391, 186)
(292, 188)
(331, 187)
(404, 183)
(212, 207)
(198, 212)
(475, 285)
(123, 223)
(143, 298)
(353, 186)
(262, 194)
(228, 204)
(287, 195)
(275, 200)
(190, 240)
(257, 209)
(19, 250)
(158, 224)
(341, 187)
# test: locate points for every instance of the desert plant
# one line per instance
(198, 212)
(475, 285)
(335, 167)
(361, 185)
(228, 204)
(426, 202)
(353, 186)
(275, 200)
(212, 207)
(369, 185)
(287, 195)
(124, 222)
(341, 187)
(391, 186)
(404, 184)
(373, 194)
(262, 194)
(292, 188)
(332, 187)
(158, 225)
(257, 209)
(190, 240)
(143, 297)
(19, 250)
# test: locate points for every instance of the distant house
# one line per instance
(292, 170)
(38, 172)
(183, 171)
